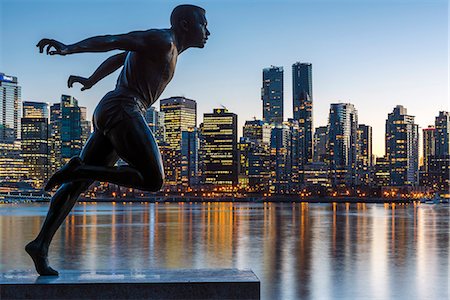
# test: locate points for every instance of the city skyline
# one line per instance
(361, 53)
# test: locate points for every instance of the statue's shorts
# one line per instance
(115, 107)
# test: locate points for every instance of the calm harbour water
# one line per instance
(297, 250)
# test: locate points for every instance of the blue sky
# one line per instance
(374, 54)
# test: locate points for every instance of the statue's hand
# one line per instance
(47, 44)
(87, 84)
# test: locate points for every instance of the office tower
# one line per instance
(257, 131)
(86, 126)
(279, 154)
(320, 144)
(294, 163)
(402, 151)
(180, 114)
(303, 107)
(442, 125)
(429, 144)
(155, 120)
(382, 172)
(189, 158)
(35, 141)
(12, 166)
(439, 163)
(272, 95)
(364, 155)
(254, 165)
(10, 98)
(316, 175)
(220, 148)
(342, 144)
(66, 131)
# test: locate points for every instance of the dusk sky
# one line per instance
(373, 54)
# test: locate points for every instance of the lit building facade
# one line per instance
(364, 155)
(220, 161)
(320, 144)
(180, 114)
(272, 95)
(257, 131)
(439, 163)
(10, 101)
(12, 166)
(428, 143)
(382, 172)
(402, 147)
(342, 144)
(279, 154)
(155, 120)
(303, 108)
(86, 125)
(189, 158)
(35, 141)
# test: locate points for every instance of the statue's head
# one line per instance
(190, 22)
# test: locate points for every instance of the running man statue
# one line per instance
(120, 130)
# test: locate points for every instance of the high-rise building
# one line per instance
(86, 126)
(10, 100)
(180, 114)
(35, 141)
(257, 131)
(402, 151)
(272, 95)
(66, 131)
(364, 155)
(303, 107)
(342, 144)
(442, 125)
(429, 144)
(189, 158)
(155, 120)
(382, 172)
(439, 164)
(320, 144)
(279, 154)
(220, 148)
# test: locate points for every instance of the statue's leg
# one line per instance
(97, 151)
(134, 143)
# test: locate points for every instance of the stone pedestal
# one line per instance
(147, 284)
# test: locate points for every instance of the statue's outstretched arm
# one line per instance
(107, 67)
(133, 41)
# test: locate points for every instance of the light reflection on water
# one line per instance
(298, 250)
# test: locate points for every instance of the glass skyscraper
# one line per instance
(272, 95)
(302, 107)
(402, 147)
(10, 98)
(35, 141)
(342, 144)
(180, 114)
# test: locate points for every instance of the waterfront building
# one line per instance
(295, 162)
(364, 155)
(254, 165)
(320, 144)
(220, 161)
(342, 144)
(272, 95)
(429, 144)
(438, 165)
(382, 172)
(86, 125)
(155, 120)
(10, 101)
(12, 166)
(316, 175)
(402, 151)
(65, 131)
(180, 114)
(189, 158)
(303, 107)
(35, 141)
(279, 154)
(257, 131)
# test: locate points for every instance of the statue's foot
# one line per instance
(63, 175)
(40, 260)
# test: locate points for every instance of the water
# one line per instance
(298, 251)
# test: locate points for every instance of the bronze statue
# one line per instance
(120, 129)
